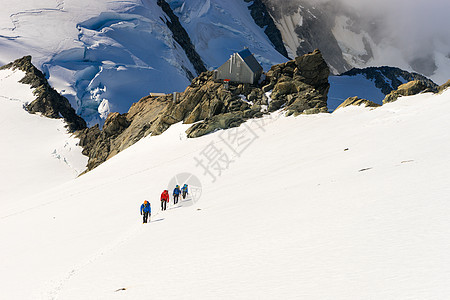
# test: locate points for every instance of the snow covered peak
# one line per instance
(221, 28)
(92, 51)
(116, 52)
(362, 34)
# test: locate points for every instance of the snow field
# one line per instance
(295, 216)
(37, 153)
(218, 29)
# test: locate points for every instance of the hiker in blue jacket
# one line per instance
(176, 194)
(184, 190)
(146, 210)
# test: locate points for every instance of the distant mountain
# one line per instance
(372, 83)
(388, 79)
(350, 38)
(105, 55)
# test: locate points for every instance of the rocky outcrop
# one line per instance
(120, 130)
(262, 18)
(223, 121)
(48, 102)
(182, 37)
(408, 89)
(356, 101)
(300, 86)
(209, 101)
(444, 86)
(388, 79)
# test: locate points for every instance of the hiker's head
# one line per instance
(145, 202)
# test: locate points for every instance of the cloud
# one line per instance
(417, 26)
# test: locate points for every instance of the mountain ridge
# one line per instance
(48, 101)
(300, 85)
(104, 56)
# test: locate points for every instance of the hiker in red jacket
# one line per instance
(164, 199)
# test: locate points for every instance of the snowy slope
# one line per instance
(37, 153)
(354, 206)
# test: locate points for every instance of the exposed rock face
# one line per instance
(408, 89)
(48, 101)
(208, 101)
(299, 85)
(182, 37)
(223, 121)
(260, 14)
(120, 130)
(313, 31)
(444, 86)
(356, 101)
(388, 79)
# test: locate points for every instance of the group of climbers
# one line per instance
(146, 209)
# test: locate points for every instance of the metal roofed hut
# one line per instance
(242, 67)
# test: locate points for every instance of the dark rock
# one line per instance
(356, 101)
(224, 121)
(297, 86)
(444, 86)
(260, 14)
(388, 79)
(315, 110)
(120, 130)
(313, 68)
(284, 88)
(115, 124)
(408, 89)
(182, 37)
(304, 88)
(268, 87)
(275, 105)
(48, 101)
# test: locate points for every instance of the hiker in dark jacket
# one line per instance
(184, 190)
(176, 194)
(146, 211)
